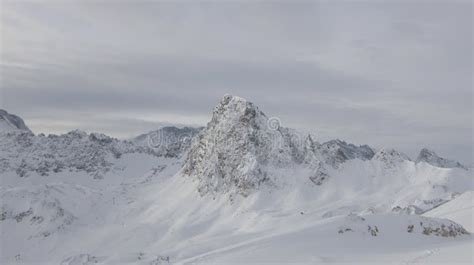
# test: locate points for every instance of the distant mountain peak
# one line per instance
(10, 122)
(390, 152)
(390, 157)
(337, 152)
(430, 157)
(169, 141)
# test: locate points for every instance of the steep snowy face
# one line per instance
(238, 148)
(10, 122)
(433, 159)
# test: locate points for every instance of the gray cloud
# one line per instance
(393, 74)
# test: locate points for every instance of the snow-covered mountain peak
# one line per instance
(236, 150)
(336, 152)
(430, 157)
(229, 99)
(10, 122)
(236, 110)
(390, 153)
(77, 133)
(170, 141)
(390, 157)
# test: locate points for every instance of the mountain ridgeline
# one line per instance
(239, 150)
(188, 194)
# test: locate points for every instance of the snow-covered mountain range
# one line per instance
(242, 189)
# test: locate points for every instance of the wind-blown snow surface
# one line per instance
(145, 208)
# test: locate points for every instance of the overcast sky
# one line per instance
(386, 74)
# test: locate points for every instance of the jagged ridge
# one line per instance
(77, 151)
(433, 159)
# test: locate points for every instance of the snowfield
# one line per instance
(227, 194)
(460, 210)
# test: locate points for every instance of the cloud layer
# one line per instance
(385, 74)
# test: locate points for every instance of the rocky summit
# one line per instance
(238, 146)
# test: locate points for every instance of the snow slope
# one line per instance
(460, 210)
(378, 239)
(10, 122)
(155, 215)
(242, 190)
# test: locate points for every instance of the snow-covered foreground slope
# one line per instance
(378, 239)
(243, 193)
(152, 216)
(460, 210)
